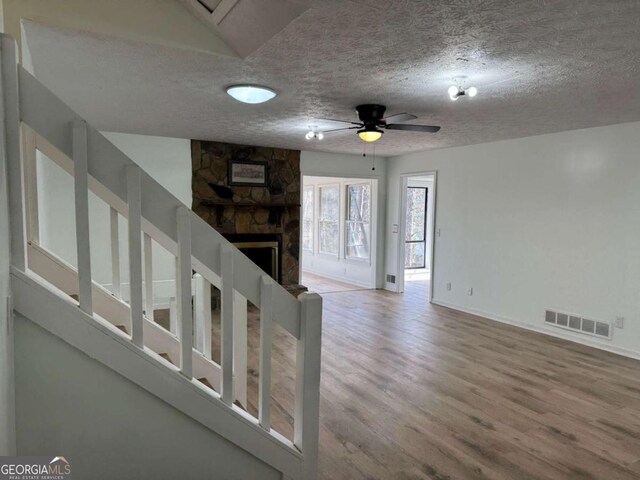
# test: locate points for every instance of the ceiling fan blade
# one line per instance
(413, 128)
(339, 121)
(400, 117)
(338, 129)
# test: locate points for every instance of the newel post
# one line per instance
(12, 233)
(307, 408)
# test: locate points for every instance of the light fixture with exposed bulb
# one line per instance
(457, 90)
(454, 92)
(313, 133)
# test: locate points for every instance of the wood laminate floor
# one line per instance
(415, 391)
(322, 285)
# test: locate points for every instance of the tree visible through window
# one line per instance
(358, 225)
(415, 247)
(329, 221)
(307, 219)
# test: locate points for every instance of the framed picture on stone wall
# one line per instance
(247, 173)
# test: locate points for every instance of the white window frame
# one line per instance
(347, 222)
(312, 220)
(335, 186)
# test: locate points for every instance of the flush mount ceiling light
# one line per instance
(251, 93)
(370, 134)
(458, 89)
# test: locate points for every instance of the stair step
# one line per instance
(122, 328)
(166, 357)
(206, 382)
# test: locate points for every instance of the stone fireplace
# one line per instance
(263, 221)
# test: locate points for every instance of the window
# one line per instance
(329, 221)
(416, 229)
(307, 219)
(358, 225)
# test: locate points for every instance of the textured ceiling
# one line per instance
(540, 66)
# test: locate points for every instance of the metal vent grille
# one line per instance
(391, 278)
(578, 324)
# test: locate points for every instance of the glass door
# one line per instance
(416, 228)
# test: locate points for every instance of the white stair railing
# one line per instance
(155, 214)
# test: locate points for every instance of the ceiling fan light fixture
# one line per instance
(251, 93)
(370, 134)
(472, 92)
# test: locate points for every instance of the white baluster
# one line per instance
(134, 199)
(173, 316)
(81, 191)
(115, 253)
(266, 319)
(11, 134)
(202, 308)
(226, 334)
(148, 277)
(183, 274)
(240, 348)
(30, 183)
(306, 421)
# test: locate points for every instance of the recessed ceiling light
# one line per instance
(251, 93)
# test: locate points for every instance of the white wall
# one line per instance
(551, 221)
(357, 272)
(354, 166)
(107, 426)
(167, 160)
(159, 22)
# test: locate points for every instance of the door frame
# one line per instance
(402, 221)
(425, 230)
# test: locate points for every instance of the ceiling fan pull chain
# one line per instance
(373, 163)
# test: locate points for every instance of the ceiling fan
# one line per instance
(373, 123)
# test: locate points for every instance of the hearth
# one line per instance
(264, 249)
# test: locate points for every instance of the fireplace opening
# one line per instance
(262, 249)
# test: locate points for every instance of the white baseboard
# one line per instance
(339, 279)
(392, 287)
(625, 352)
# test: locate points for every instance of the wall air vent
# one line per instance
(577, 323)
(391, 278)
